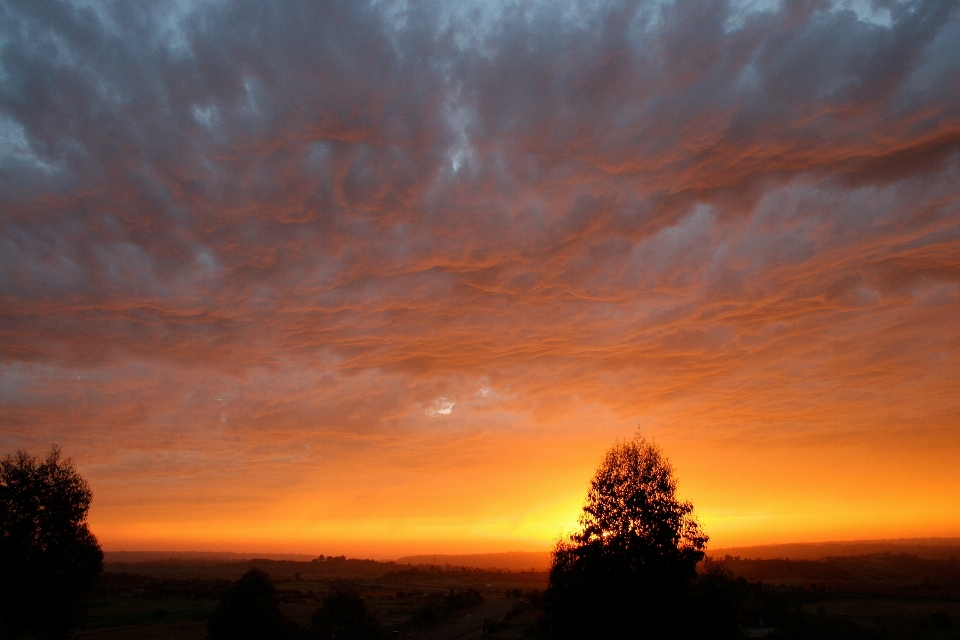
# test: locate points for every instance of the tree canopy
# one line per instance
(627, 572)
(48, 557)
(632, 510)
(250, 610)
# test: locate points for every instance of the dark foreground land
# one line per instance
(175, 598)
(884, 595)
(877, 596)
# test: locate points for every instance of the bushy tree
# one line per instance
(627, 572)
(250, 610)
(48, 557)
(343, 615)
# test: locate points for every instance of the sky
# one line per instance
(389, 277)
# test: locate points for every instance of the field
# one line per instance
(174, 598)
(883, 595)
(878, 596)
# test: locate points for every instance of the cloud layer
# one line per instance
(386, 257)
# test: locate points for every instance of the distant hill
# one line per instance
(199, 556)
(212, 566)
(509, 561)
(900, 574)
(926, 548)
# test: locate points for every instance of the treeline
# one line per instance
(328, 567)
(318, 568)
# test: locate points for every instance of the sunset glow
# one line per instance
(388, 278)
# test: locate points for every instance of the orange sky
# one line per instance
(390, 279)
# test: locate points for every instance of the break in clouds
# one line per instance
(261, 230)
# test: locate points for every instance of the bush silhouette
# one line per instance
(48, 557)
(628, 572)
(250, 610)
(343, 616)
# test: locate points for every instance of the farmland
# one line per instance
(885, 595)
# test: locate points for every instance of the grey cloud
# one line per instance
(286, 168)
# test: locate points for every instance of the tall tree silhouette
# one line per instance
(250, 610)
(48, 557)
(627, 573)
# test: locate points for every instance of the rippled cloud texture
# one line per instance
(389, 277)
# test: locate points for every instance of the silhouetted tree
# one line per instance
(48, 557)
(343, 616)
(627, 573)
(250, 610)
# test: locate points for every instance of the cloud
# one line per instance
(257, 229)
(441, 407)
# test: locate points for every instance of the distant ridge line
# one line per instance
(929, 548)
(228, 556)
(508, 561)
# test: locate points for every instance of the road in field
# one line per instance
(471, 625)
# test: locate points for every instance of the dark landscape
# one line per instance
(877, 595)
(411, 599)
